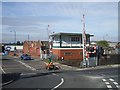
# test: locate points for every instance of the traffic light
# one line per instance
(43, 48)
(3, 49)
(91, 49)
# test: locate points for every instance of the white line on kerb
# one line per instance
(27, 65)
(2, 70)
(62, 81)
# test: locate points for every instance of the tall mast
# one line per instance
(84, 40)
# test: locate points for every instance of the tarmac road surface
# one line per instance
(32, 78)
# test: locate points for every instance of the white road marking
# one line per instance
(2, 69)
(117, 86)
(111, 89)
(115, 83)
(27, 73)
(54, 74)
(62, 81)
(6, 83)
(104, 80)
(27, 65)
(111, 79)
(65, 68)
(109, 86)
(107, 83)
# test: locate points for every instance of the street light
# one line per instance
(15, 36)
(48, 32)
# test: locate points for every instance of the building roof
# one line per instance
(69, 34)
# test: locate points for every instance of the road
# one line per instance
(32, 75)
(15, 65)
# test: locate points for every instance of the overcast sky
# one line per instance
(32, 18)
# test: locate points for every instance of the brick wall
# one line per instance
(68, 54)
(32, 48)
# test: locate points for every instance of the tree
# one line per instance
(103, 43)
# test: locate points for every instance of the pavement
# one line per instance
(66, 67)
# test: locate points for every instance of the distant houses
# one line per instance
(33, 48)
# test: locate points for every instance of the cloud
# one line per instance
(60, 0)
(34, 17)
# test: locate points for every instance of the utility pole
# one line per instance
(84, 41)
(48, 32)
(15, 36)
(15, 42)
(46, 54)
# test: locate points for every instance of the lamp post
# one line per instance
(48, 32)
(46, 56)
(15, 37)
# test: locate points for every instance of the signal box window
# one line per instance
(75, 39)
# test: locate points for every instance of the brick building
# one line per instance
(68, 45)
(32, 48)
(35, 48)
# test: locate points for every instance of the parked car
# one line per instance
(25, 57)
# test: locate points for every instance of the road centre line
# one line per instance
(2, 70)
(26, 65)
(62, 81)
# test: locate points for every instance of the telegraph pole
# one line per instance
(15, 38)
(48, 32)
(84, 41)
(15, 42)
(48, 41)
